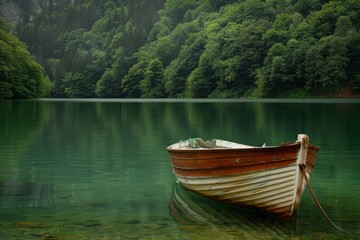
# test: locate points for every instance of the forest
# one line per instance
(20, 75)
(182, 49)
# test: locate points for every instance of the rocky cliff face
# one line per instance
(10, 11)
(17, 11)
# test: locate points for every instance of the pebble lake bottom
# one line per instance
(98, 169)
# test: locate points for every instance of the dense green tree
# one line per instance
(283, 68)
(130, 84)
(152, 85)
(198, 86)
(326, 63)
(304, 7)
(20, 75)
(217, 4)
(276, 69)
(177, 72)
(76, 85)
(108, 85)
(176, 10)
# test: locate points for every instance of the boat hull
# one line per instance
(265, 178)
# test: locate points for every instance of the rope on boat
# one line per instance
(303, 169)
(199, 143)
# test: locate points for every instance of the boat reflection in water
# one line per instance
(203, 218)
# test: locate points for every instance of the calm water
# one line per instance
(87, 169)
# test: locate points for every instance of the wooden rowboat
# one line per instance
(268, 178)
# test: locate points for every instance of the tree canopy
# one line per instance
(20, 75)
(206, 48)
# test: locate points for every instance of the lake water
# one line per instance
(98, 169)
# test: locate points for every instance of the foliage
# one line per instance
(205, 48)
(107, 86)
(151, 86)
(76, 85)
(20, 75)
(131, 82)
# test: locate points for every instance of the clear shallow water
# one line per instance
(98, 169)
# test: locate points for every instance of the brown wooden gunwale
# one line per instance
(241, 155)
(200, 162)
(230, 161)
(217, 172)
(220, 151)
(191, 151)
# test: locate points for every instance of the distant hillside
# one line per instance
(205, 48)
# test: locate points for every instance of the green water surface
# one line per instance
(98, 169)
